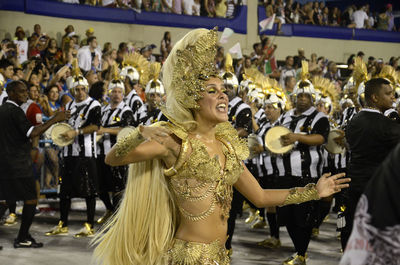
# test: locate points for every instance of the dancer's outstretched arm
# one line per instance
(144, 143)
(326, 186)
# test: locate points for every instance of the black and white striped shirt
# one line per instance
(137, 106)
(154, 116)
(267, 161)
(121, 116)
(84, 113)
(342, 160)
(304, 160)
(240, 114)
(260, 117)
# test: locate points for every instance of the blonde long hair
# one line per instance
(144, 225)
(142, 229)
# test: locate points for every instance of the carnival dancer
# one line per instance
(136, 72)
(79, 174)
(179, 191)
(16, 179)
(370, 136)
(304, 164)
(114, 116)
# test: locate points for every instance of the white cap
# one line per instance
(230, 79)
(116, 83)
(131, 72)
(155, 86)
(74, 81)
(273, 99)
(306, 90)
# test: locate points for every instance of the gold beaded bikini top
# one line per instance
(198, 182)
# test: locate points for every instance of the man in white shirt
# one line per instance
(22, 45)
(360, 18)
(287, 70)
(87, 54)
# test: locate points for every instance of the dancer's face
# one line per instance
(214, 104)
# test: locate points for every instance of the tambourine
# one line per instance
(273, 140)
(124, 132)
(56, 132)
(331, 146)
(252, 142)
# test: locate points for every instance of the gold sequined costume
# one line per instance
(198, 182)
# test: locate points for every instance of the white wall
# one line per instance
(337, 50)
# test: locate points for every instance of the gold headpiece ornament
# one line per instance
(155, 69)
(116, 79)
(77, 79)
(229, 63)
(194, 65)
(327, 89)
(141, 64)
(389, 73)
(115, 72)
(272, 87)
(304, 74)
(360, 72)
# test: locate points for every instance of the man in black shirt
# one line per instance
(370, 136)
(16, 178)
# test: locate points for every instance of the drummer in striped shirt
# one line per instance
(114, 116)
(302, 165)
(79, 177)
(274, 107)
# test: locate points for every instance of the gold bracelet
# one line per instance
(296, 196)
(129, 142)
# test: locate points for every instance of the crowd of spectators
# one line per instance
(210, 8)
(45, 63)
(317, 13)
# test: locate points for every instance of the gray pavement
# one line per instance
(66, 250)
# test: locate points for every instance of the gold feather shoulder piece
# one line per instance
(141, 64)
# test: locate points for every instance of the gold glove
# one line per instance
(296, 196)
(129, 142)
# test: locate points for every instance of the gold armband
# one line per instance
(129, 142)
(296, 196)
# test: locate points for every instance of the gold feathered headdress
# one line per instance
(76, 79)
(304, 85)
(116, 80)
(389, 73)
(155, 85)
(360, 72)
(228, 63)
(140, 63)
(327, 89)
(194, 65)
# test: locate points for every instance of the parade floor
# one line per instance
(66, 250)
